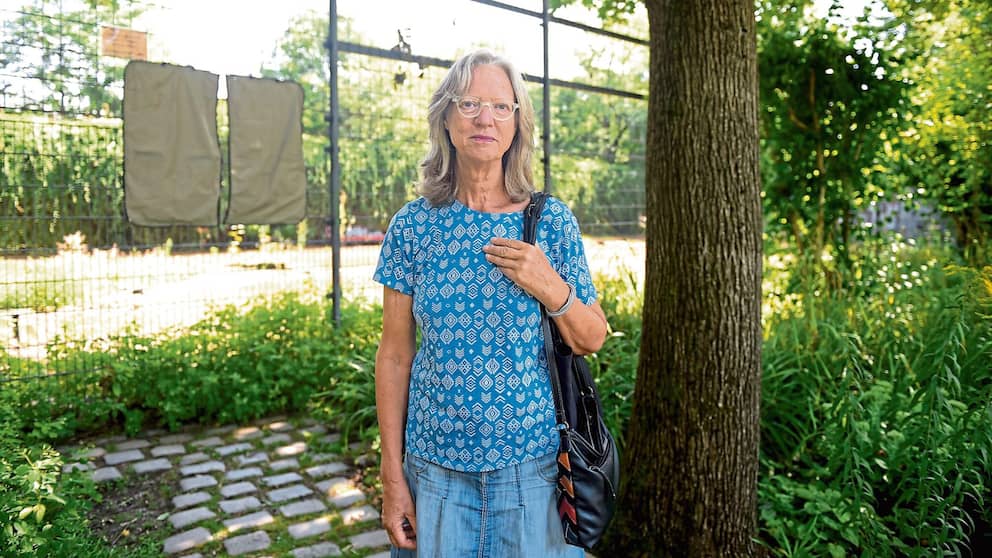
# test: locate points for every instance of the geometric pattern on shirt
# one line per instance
(480, 396)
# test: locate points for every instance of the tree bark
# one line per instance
(691, 459)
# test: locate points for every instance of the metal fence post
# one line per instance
(333, 134)
(546, 117)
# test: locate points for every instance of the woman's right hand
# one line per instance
(399, 516)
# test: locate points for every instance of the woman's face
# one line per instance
(482, 139)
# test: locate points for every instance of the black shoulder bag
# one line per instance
(588, 464)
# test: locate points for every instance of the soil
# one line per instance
(130, 512)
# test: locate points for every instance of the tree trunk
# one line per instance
(691, 460)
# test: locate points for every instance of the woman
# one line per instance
(467, 419)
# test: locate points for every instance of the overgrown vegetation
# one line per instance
(877, 401)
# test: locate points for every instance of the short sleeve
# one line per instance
(395, 267)
(572, 265)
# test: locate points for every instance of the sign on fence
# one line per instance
(123, 43)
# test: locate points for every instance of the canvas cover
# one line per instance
(268, 178)
(171, 152)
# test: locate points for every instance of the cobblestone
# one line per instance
(169, 449)
(133, 444)
(200, 481)
(218, 508)
(105, 474)
(256, 519)
(252, 459)
(283, 464)
(191, 499)
(152, 466)
(303, 507)
(243, 544)
(289, 493)
(371, 539)
(187, 540)
(279, 480)
(358, 515)
(189, 517)
(237, 489)
(240, 505)
(119, 457)
(321, 550)
(201, 468)
(310, 528)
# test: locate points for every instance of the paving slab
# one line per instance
(370, 540)
(296, 448)
(152, 465)
(273, 439)
(252, 459)
(191, 516)
(288, 493)
(256, 519)
(104, 474)
(241, 474)
(237, 489)
(243, 544)
(119, 457)
(200, 468)
(302, 507)
(199, 481)
(167, 450)
(192, 458)
(186, 540)
(175, 439)
(191, 499)
(247, 433)
(283, 464)
(132, 444)
(232, 449)
(321, 550)
(325, 470)
(358, 515)
(210, 442)
(280, 480)
(310, 528)
(239, 505)
(279, 426)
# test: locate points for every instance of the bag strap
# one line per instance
(532, 216)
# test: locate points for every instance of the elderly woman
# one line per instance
(467, 417)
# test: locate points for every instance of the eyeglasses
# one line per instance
(470, 107)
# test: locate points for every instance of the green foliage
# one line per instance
(42, 510)
(829, 100)
(875, 412)
(945, 153)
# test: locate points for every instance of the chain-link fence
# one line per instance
(75, 271)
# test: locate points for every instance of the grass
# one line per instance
(874, 417)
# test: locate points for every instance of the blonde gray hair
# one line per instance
(437, 170)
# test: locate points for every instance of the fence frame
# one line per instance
(335, 47)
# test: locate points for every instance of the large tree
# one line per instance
(691, 457)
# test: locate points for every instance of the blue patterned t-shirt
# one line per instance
(480, 396)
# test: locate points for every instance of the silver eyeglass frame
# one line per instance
(457, 98)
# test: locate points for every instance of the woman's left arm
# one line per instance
(582, 326)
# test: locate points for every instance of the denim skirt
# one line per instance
(508, 513)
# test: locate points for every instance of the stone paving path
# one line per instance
(257, 490)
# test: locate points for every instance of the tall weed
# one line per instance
(876, 413)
